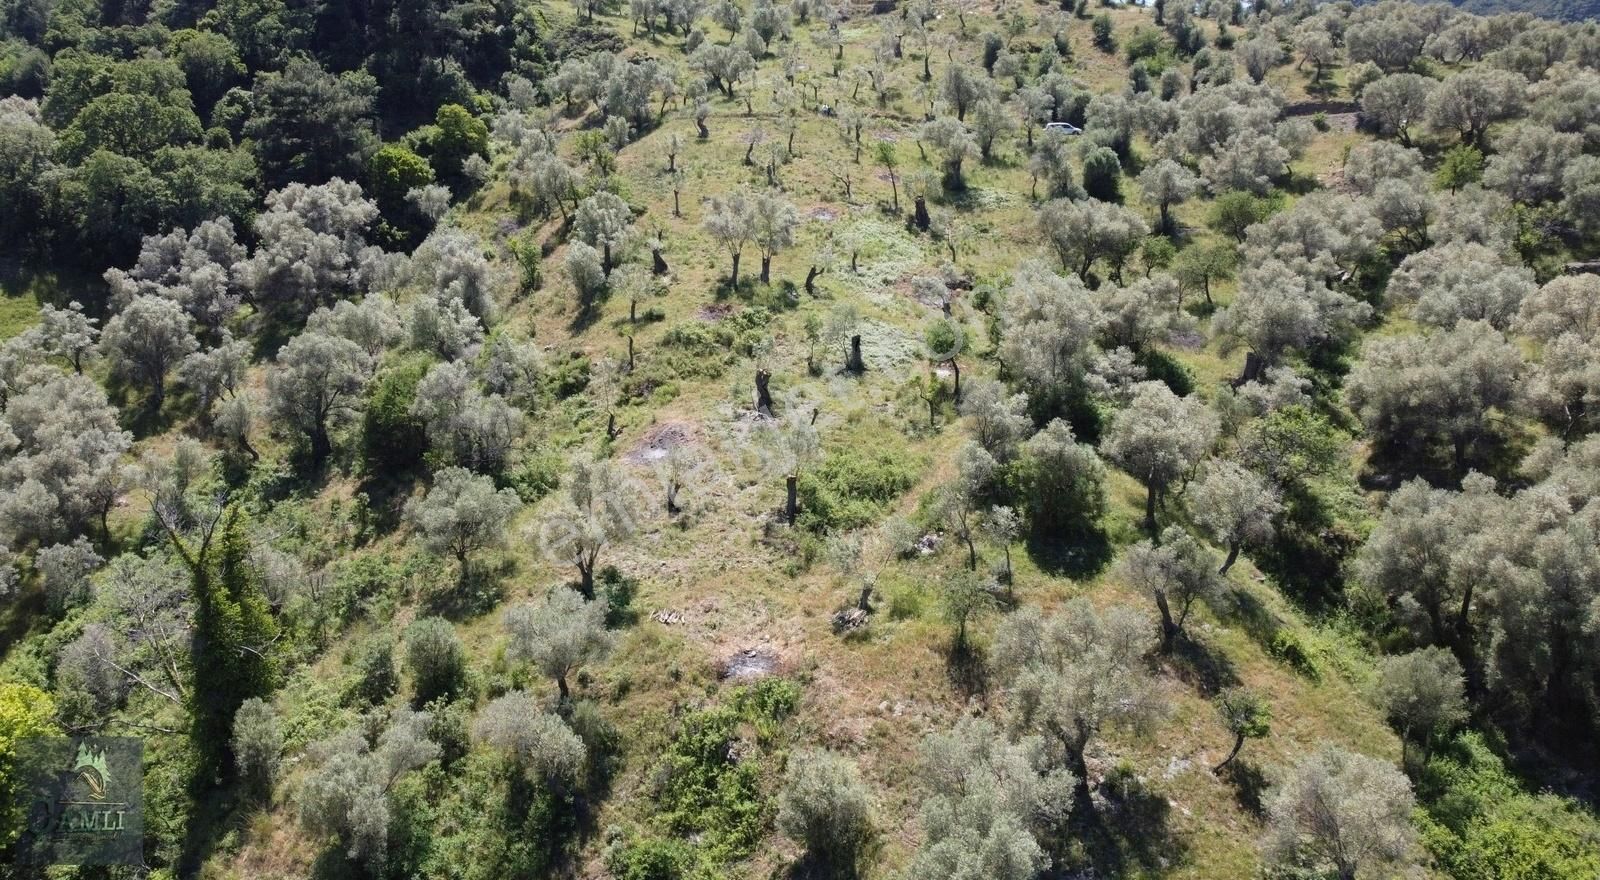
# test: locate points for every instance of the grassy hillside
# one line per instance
(728, 660)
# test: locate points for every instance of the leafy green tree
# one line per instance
(393, 171)
(1459, 166)
(310, 125)
(1246, 715)
(25, 711)
(459, 135)
(1102, 174)
(1235, 211)
(1063, 484)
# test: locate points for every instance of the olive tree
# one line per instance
(65, 333)
(1424, 694)
(1397, 102)
(825, 807)
(999, 417)
(1234, 505)
(1165, 183)
(990, 801)
(1413, 391)
(475, 430)
(1281, 309)
(604, 221)
(559, 636)
(1082, 232)
(1260, 55)
(146, 340)
(257, 741)
(461, 514)
(1175, 572)
(62, 466)
(955, 144)
(1062, 482)
(1245, 714)
(1049, 326)
(731, 221)
(1469, 101)
(347, 794)
(1075, 674)
(599, 511)
(536, 742)
(1158, 439)
(773, 219)
(1461, 281)
(312, 247)
(315, 386)
(1343, 812)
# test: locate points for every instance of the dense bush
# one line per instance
(851, 486)
(1481, 823)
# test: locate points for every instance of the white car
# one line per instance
(1065, 128)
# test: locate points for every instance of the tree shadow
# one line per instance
(589, 310)
(1201, 667)
(1130, 832)
(213, 814)
(467, 595)
(386, 498)
(1249, 784)
(1306, 556)
(1255, 618)
(811, 866)
(967, 667)
(1082, 554)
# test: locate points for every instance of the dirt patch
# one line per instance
(748, 665)
(933, 297)
(1342, 121)
(715, 312)
(826, 215)
(660, 439)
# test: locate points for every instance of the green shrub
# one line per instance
(618, 591)
(1481, 823)
(538, 475)
(566, 378)
(1288, 648)
(851, 486)
(1103, 40)
(1145, 43)
(392, 439)
(651, 858)
(705, 790)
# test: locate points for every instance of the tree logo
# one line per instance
(83, 801)
(91, 771)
